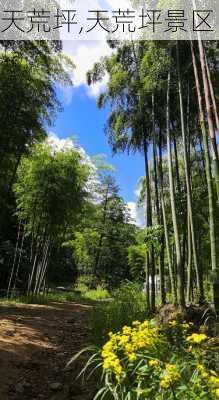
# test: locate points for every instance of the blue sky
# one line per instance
(82, 118)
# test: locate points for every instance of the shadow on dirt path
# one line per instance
(36, 342)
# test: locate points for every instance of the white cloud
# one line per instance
(133, 211)
(84, 55)
(95, 90)
(59, 144)
(68, 143)
(62, 144)
(137, 214)
(137, 191)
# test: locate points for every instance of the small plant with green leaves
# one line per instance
(127, 304)
(100, 293)
(141, 362)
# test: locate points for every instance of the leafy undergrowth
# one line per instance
(146, 361)
(127, 304)
(165, 358)
(98, 294)
(71, 296)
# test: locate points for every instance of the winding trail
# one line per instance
(36, 342)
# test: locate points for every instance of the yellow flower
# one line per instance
(202, 370)
(128, 348)
(197, 338)
(132, 357)
(165, 383)
(153, 363)
(211, 376)
(171, 368)
(126, 330)
(124, 339)
(214, 381)
(201, 367)
(171, 376)
(139, 336)
(112, 362)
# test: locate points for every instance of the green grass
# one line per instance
(97, 294)
(25, 300)
(128, 304)
(63, 297)
(71, 296)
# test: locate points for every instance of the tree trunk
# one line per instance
(147, 281)
(188, 184)
(40, 268)
(43, 268)
(176, 164)
(99, 249)
(14, 259)
(211, 204)
(149, 223)
(165, 237)
(156, 184)
(19, 260)
(213, 99)
(189, 261)
(155, 164)
(180, 287)
(207, 95)
(168, 250)
(162, 272)
(30, 281)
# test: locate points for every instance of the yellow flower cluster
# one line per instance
(153, 363)
(111, 361)
(197, 338)
(171, 376)
(211, 377)
(143, 340)
(127, 343)
(202, 371)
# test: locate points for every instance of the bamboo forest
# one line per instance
(109, 220)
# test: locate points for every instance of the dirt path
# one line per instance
(35, 343)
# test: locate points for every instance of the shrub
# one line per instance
(127, 304)
(144, 361)
(100, 293)
(83, 283)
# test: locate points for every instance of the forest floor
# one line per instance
(36, 342)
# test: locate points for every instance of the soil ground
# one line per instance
(36, 342)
